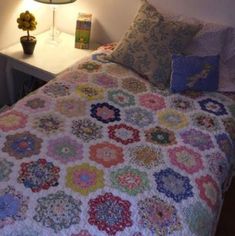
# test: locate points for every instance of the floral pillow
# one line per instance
(194, 73)
(148, 45)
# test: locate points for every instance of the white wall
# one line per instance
(111, 18)
(10, 34)
(9, 12)
(218, 11)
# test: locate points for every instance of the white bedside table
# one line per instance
(47, 61)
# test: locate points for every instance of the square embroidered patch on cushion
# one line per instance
(194, 73)
(149, 43)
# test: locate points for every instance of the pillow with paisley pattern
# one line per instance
(148, 45)
(194, 73)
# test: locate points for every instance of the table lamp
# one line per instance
(53, 3)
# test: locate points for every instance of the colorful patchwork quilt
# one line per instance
(100, 151)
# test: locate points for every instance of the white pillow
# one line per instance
(210, 40)
(213, 39)
(229, 51)
(229, 58)
(227, 76)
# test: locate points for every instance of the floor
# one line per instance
(226, 226)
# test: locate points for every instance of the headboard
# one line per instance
(112, 18)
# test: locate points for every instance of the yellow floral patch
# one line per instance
(84, 178)
(71, 107)
(172, 119)
(90, 92)
(12, 120)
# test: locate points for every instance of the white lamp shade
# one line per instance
(55, 1)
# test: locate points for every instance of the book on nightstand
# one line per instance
(83, 31)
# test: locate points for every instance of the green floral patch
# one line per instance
(130, 180)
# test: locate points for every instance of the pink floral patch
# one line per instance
(84, 178)
(65, 149)
(209, 191)
(12, 120)
(109, 46)
(35, 103)
(104, 111)
(106, 154)
(123, 134)
(186, 159)
(152, 101)
(105, 80)
(82, 233)
(109, 213)
(39, 175)
(74, 77)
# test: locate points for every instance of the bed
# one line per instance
(101, 151)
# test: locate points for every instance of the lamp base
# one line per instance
(54, 33)
(54, 36)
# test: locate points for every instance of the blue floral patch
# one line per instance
(139, 117)
(121, 98)
(173, 185)
(105, 113)
(58, 211)
(160, 217)
(194, 73)
(213, 106)
(11, 202)
(100, 57)
(21, 145)
(39, 175)
(13, 206)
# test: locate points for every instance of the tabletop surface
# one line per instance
(47, 56)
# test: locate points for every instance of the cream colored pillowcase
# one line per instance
(148, 45)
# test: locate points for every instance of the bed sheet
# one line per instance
(99, 151)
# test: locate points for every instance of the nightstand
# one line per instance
(47, 61)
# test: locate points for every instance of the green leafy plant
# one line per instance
(27, 22)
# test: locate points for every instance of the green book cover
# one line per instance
(83, 31)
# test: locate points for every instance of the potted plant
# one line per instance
(27, 22)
